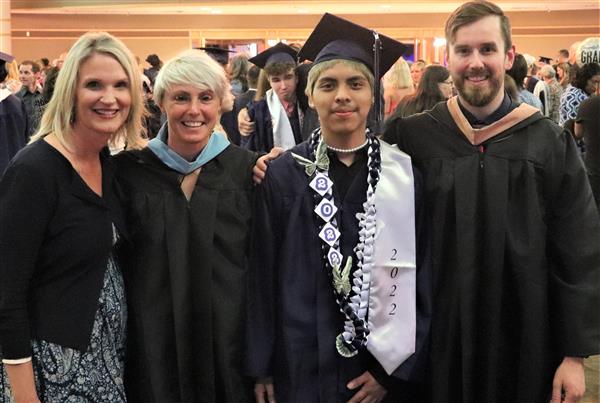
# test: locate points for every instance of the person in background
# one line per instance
(587, 126)
(531, 78)
(416, 71)
(58, 63)
(155, 64)
(562, 56)
(30, 92)
(554, 92)
(13, 119)
(563, 74)
(12, 81)
(518, 72)
(62, 301)
(516, 243)
(435, 86)
(230, 120)
(187, 198)
(583, 84)
(46, 95)
(511, 87)
(219, 54)
(397, 83)
(573, 53)
(238, 67)
(277, 118)
(152, 120)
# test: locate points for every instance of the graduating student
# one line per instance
(338, 297)
(516, 245)
(277, 118)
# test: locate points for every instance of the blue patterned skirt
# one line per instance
(96, 375)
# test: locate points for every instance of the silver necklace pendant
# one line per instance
(342, 348)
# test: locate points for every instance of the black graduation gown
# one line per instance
(14, 130)
(262, 137)
(186, 278)
(293, 318)
(516, 256)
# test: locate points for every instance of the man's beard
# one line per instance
(477, 96)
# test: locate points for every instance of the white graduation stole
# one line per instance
(392, 305)
(283, 136)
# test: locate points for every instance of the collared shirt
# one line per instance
(30, 100)
(289, 107)
(505, 107)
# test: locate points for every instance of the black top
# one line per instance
(589, 117)
(55, 240)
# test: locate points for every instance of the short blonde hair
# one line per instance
(317, 69)
(59, 115)
(191, 67)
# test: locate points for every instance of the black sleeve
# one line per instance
(262, 281)
(25, 211)
(574, 252)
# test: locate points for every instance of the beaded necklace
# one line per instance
(352, 299)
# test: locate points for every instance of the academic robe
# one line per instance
(293, 317)
(186, 278)
(14, 131)
(516, 256)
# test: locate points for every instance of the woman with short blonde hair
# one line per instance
(187, 197)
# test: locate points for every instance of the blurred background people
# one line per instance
(397, 83)
(13, 118)
(583, 84)
(554, 92)
(518, 72)
(238, 74)
(416, 71)
(30, 92)
(155, 65)
(563, 74)
(435, 86)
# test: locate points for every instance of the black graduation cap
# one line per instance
(544, 59)
(5, 57)
(337, 38)
(280, 53)
(218, 53)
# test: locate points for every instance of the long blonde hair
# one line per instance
(59, 115)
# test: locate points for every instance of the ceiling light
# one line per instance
(439, 42)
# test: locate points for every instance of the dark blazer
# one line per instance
(55, 239)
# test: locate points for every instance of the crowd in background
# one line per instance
(552, 86)
(565, 89)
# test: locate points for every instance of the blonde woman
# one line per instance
(187, 199)
(397, 84)
(62, 304)
(12, 82)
